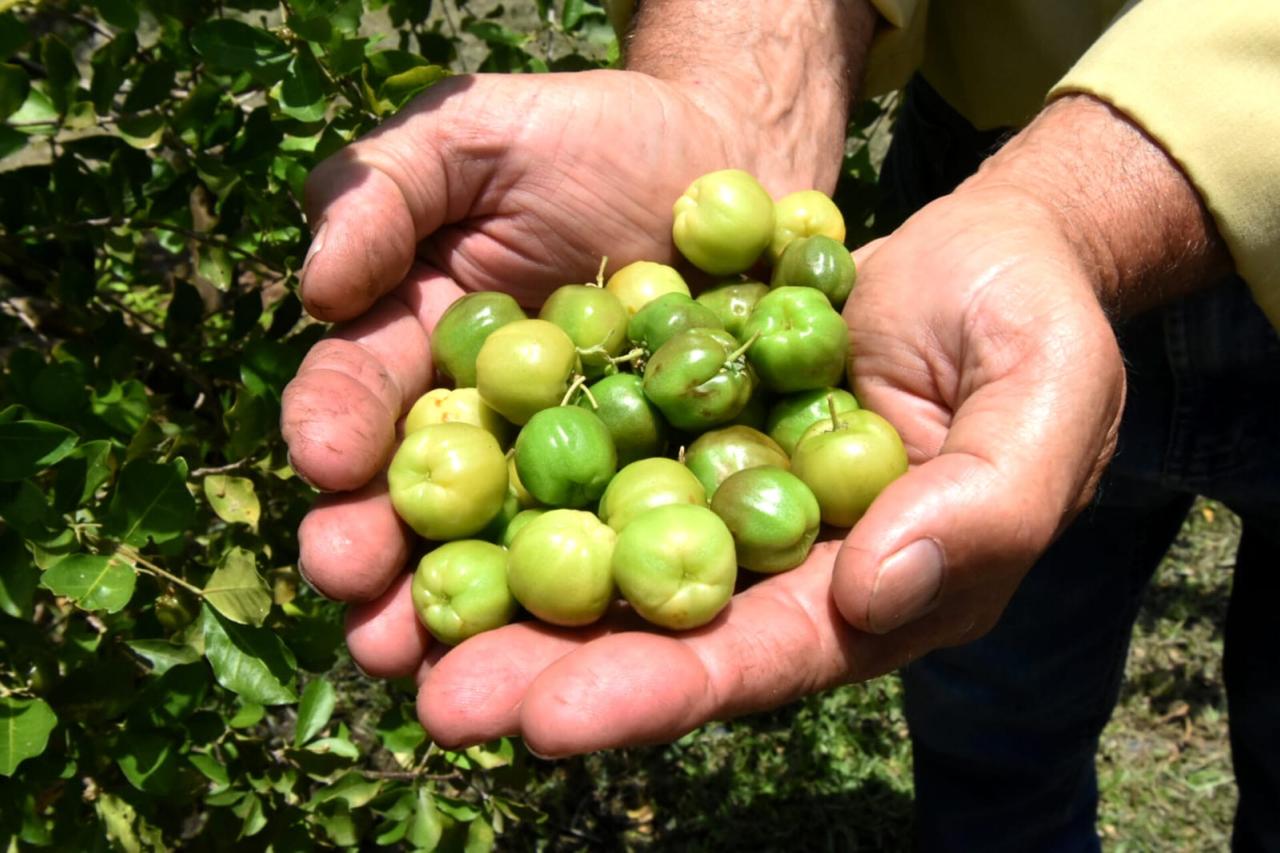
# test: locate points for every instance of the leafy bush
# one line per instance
(165, 679)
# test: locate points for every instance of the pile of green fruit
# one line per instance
(635, 439)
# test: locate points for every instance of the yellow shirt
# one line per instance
(1201, 78)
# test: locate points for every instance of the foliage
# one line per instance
(166, 680)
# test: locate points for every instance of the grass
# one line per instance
(834, 772)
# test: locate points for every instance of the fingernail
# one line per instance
(317, 243)
(907, 586)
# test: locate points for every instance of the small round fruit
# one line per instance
(523, 498)
(818, 262)
(447, 481)
(593, 318)
(802, 341)
(646, 484)
(497, 526)
(846, 467)
(773, 516)
(525, 367)
(460, 590)
(636, 425)
(804, 214)
(699, 378)
(463, 328)
(559, 567)
(639, 283)
(795, 413)
(676, 566)
(518, 523)
(716, 455)
(565, 456)
(723, 222)
(660, 320)
(446, 405)
(732, 302)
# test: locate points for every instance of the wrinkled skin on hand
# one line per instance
(975, 331)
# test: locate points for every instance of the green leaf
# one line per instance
(250, 662)
(27, 447)
(93, 582)
(237, 590)
(19, 576)
(248, 714)
(427, 826)
(334, 746)
(233, 45)
(491, 756)
(124, 407)
(61, 74)
(151, 88)
(163, 655)
(571, 13)
(216, 266)
(25, 725)
(233, 499)
(149, 761)
(142, 131)
(36, 109)
(351, 788)
(125, 827)
(491, 32)
(151, 502)
(108, 65)
(11, 141)
(13, 35)
(480, 837)
(400, 732)
(118, 13)
(302, 92)
(398, 89)
(211, 767)
(314, 711)
(14, 87)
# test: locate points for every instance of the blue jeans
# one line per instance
(1005, 729)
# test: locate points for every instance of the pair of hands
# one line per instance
(975, 331)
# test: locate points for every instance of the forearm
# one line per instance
(782, 73)
(1140, 227)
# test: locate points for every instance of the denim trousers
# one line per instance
(1005, 729)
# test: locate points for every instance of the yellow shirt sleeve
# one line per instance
(1203, 79)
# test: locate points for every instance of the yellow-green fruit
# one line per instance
(447, 481)
(849, 464)
(558, 567)
(638, 284)
(773, 516)
(460, 590)
(646, 484)
(804, 214)
(723, 222)
(448, 405)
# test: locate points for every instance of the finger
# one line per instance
(384, 636)
(352, 545)
(863, 253)
(372, 202)
(1022, 455)
(779, 640)
(473, 694)
(340, 410)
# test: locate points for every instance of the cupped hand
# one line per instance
(975, 330)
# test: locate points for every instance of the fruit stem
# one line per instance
(740, 351)
(578, 381)
(591, 398)
(680, 455)
(631, 356)
(831, 407)
(599, 282)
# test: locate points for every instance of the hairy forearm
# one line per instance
(782, 71)
(1139, 224)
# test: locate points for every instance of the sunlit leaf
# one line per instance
(163, 655)
(25, 725)
(93, 582)
(233, 499)
(151, 502)
(314, 711)
(251, 662)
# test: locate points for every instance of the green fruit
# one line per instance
(818, 262)
(460, 590)
(446, 405)
(715, 456)
(755, 412)
(699, 379)
(497, 526)
(518, 523)
(559, 567)
(804, 214)
(635, 424)
(723, 222)
(646, 484)
(773, 516)
(638, 284)
(676, 566)
(848, 465)
(447, 481)
(801, 342)
(733, 302)
(463, 329)
(795, 413)
(594, 320)
(525, 367)
(565, 456)
(660, 320)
